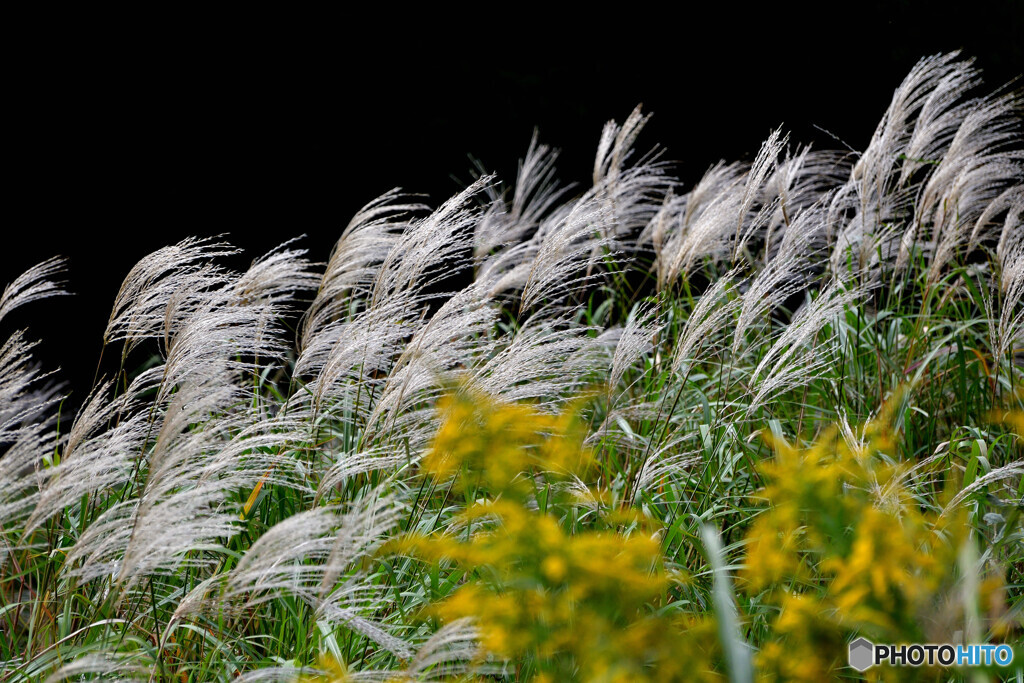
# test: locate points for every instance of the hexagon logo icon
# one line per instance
(862, 654)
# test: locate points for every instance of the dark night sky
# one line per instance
(121, 141)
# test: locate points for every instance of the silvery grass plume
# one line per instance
(974, 173)
(287, 558)
(276, 280)
(535, 196)
(799, 354)
(312, 555)
(27, 432)
(644, 324)
(630, 344)
(347, 596)
(566, 251)
(353, 355)
(204, 443)
(936, 162)
(718, 217)
(1000, 222)
(24, 447)
(452, 652)
(345, 463)
(749, 223)
(347, 359)
(1006, 320)
(704, 327)
(181, 504)
(455, 339)
(103, 446)
(1013, 230)
(429, 249)
(563, 254)
(699, 224)
(104, 667)
(788, 272)
(356, 259)
(544, 364)
(672, 460)
(181, 273)
(802, 180)
(20, 399)
(880, 189)
(508, 236)
(629, 193)
(34, 284)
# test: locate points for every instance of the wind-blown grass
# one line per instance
(220, 511)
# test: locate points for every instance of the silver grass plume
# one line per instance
(430, 247)
(644, 324)
(675, 457)
(764, 166)
(796, 355)
(616, 144)
(174, 514)
(456, 338)
(988, 226)
(356, 259)
(565, 253)
(34, 284)
(1012, 232)
(105, 666)
(1006, 322)
(27, 433)
(94, 457)
(140, 309)
(786, 274)
(313, 556)
(879, 193)
(942, 109)
(344, 595)
(561, 256)
(535, 195)
(716, 307)
(636, 338)
(630, 194)
(452, 651)
(24, 449)
(306, 553)
(700, 224)
(509, 269)
(974, 172)
(542, 363)
(348, 358)
(276, 279)
(351, 463)
(801, 180)
(1012, 470)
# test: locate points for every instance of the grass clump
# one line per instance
(380, 467)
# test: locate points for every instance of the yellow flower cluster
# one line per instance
(492, 445)
(560, 599)
(563, 589)
(844, 550)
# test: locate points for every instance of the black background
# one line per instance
(125, 134)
